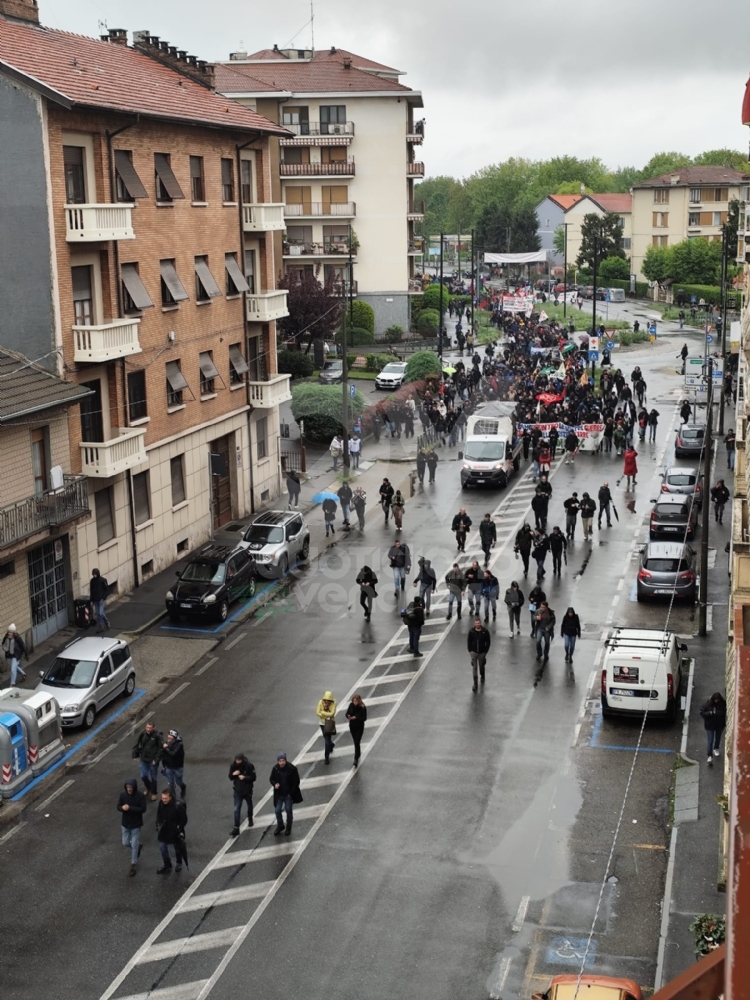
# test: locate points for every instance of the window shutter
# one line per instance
(141, 498)
(105, 527)
(178, 480)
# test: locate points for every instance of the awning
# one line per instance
(234, 272)
(128, 176)
(136, 289)
(207, 366)
(175, 377)
(168, 179)
(536, 257)
(172, 281)
(238, 362)
(206, 278)
(746, 105)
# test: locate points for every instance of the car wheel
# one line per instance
(250, 589)
(638, 596)
(283, 566)
(305, 552)
(223, 611)
(88, 717)
(129, 686)
(606, 714)
(173, 616)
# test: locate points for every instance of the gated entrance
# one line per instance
(47, 589)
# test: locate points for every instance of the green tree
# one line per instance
(657, 263)
(428, 322)
(501, 229)
(664, 163)
(421, 365)
(725, 158)
(558, 241)
(321, 407)
(572, 187)
(696, 262)
(431, 297)
(601, 236)
(360, 314)
(614, 267)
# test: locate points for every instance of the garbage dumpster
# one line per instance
(41, 715)
(14, 758)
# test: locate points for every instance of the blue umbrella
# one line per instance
(325, 495)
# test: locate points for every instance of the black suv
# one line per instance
(213, 578)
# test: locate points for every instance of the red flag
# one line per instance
(550, 397)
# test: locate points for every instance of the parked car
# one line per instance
(689, 441)
(687, 482)
(590, 988)
(667, 568)
(86, 675)
(588, 292)
(391, 376)
(331, 372)
(276, 540)
(643, 670)
(213, 579)
(673, 515)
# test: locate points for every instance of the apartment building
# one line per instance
(123, 267)
(689, 204)
(599, 204)
(345, 176)
(550, 213)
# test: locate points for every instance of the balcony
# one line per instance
(415, 135)
(314, 130)
(416, 212)
(416, 248)
(266, 395)
(105, 342)
(321, 210)
(263, 218)
(415, 169)
(48, 510)
(94, 223)
(265, 307)
(343, 289)
(329, 248)
(338, 168)
(104, 459)
(415, 287)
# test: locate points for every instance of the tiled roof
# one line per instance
(565, 201)
(688, 176)
(27, 388)
(89, 72)
(325, 55)
(621, 203)
(317, 77)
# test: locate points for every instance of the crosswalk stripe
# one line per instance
(184, 991)
(233, 858)
(313, 757)
(220, 898)
(384, 699)
(188, 945)
(306, 812)
(388, 679)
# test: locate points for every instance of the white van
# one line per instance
(492, 450)
(642, 663)
(615, 294)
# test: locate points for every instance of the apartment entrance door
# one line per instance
(221, 487)
(48, 591)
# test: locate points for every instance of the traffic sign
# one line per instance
(593, 355)
(709, 339)
(610, 345)
(352, 390)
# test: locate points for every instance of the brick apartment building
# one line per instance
(137, 260)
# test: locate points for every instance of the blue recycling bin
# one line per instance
(14, 755)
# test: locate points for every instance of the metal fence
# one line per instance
(33, 514)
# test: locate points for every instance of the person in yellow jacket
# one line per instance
(326, 712)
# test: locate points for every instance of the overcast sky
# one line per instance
(499, 78)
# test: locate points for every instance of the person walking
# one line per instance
(570, 630)
(400, 560)
(571, 447)
(367, 580)
(572, 507)
(356, 713)
(336, 449)
(523, 544)
(478, 643)
(171, 820)
(397, 509)
(355, 449)
(558, 547)
(685, 411)
(540, 506)
(588, 509)
(714, 715)
(242, 775)
(630, 467)
(132, 805)
(456, 584)
(473, 576)
(514, 602)
(98, 590)
(15, 650)
(729, 444)
(719, 498)
(326, 712)
(544, 630)
(329, 515)
(386, 492)
(490, 592)
(414, 620)
(147, 750)
(285, 782)
(421, 464)
(653, 421)
(345, 495)
(460, 528)
(541, 548)
(293, 487)
(487, 536)
(605, 502)
(432, 461)
(536, 597)
(359, 501)
(173, 763)
(427, 581)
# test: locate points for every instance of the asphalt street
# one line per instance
(465, 857)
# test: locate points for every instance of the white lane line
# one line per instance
(306, 812)
(621, 584)
(259, 621)
(325, 779)
(234, 642)
(688, 702)
(502, 975)
(397, 659)
(11, 833)
(521, 915)
(316, 755)
(174, 694)
(709, 617)
(234, 858)
(53, 796)
(615, 600)
(100, 756)
(576, 734)
(592, 675)
(383, 699)
(183, 991)
(666, 911)
(186, 946)
(205, 666)
(388, 679)
(224, 896)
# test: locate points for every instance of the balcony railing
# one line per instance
(106, 341)
(50, 509)
(316, 209)
(329, 248)
(416, 247)
(416, 212)
(266, 395)
(321, 128)
(415, 286)
(415, 169)
(103, 459)
(263, 218)
(94, 223)
(343, 289)
(265, 307)
(337, 168)
(415, 135)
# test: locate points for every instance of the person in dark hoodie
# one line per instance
(173, 763)
(285, 783)
(242, 776)
(132, 805)
(171, 820)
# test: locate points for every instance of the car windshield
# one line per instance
(662, 565)
(670, 508)
(484, 451)
(393, 370)
(681, 480)
(70, 672)
(329, 366)
(264, 533)
(204, 572)
(691, 433)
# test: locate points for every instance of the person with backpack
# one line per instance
(414, 620)
(171, 820)
(173, 763)
(242, 775)
(487, 536)
(714, 715)
(427, 581)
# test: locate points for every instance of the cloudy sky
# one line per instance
(500, 78)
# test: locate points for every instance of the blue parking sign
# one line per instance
(610, 345)
(709, 339)
(352, 390)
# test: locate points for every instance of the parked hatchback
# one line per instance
(674, 516)
(689, 441)
(331, 372)
(276, 540)
(86, 675)
(213, 579)
(667, 568)
(686, 482)
(391, 376)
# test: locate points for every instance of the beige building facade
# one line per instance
(598, 204)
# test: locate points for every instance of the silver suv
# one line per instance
(276, 540)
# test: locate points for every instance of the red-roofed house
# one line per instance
(348, 169)
(550, 214)
(129, 187)
(599, 204)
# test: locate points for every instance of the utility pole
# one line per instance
(723, 314)
(458, 253)
(706, 509)
(345, 367)
(475, 296)
(565, 269)
(440, 331)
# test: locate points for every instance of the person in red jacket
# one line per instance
(630, 469)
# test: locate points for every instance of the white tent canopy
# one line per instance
(536, 257)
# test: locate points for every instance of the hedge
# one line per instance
(394, 334)
(711, 293)
(296, 364)
(355, 336)
(320, 406)
(377, 362)
(422, 365)
(431, 297)
(429, 321)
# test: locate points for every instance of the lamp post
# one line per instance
(440, 330)
(565, 269)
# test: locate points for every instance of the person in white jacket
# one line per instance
(336, 449)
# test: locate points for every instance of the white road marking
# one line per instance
(576, 734)
(325, 779)
(53, 796)
(306, 812)
(383, 699)
(12, 832)
(521, 914)
(621, 584)
(388, 679)
(186, 946)
(174, 694)
(205, 666)
(234, 642)
(316, 755)
(397, 659)
(224, 896)
(502, 975)
(688, 702)
(233, 858)
(100, 756)
(709, 617)
(184, 991)
(260, 620)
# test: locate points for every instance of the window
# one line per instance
(83, 296)
(128, 183)
(626, 243)
(205, 283)
(172, 289)
(301, 198)
(330, 116)
(135, 298)
(299, 234)
(92, 424)
(717, 218)
(119, 657)
(105, 521)
(660, 219)
(237, 365)
(235, 280)
(246, 182)
(254, 359)
(299, 154)
(197, 187)
(167, 188)
(141, 497)
(297, 120)
(261, 431)
(208, 373)
(177, 474)
(333, 154)
(75, 174)
(250, 270)
(137, 409)
(661, 196)
(39, 450)
(336, 237)
(695, 195)
(7, 569)
(660, 241)
(227, 180)
(175, 383)
(694, 218)
(721, 194)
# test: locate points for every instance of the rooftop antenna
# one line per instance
(312, 25)
(102, 27)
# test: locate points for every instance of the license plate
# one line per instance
(623, 692)
(480, 480)
(662, 590)
(186, 605)
(669, 528)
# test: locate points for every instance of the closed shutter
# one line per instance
(141, 498)
(178, 480)
(105, 525)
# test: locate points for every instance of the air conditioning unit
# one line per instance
(336, 129)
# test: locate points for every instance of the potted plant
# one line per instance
(709, 931)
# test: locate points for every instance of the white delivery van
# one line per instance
(615, 294)
(643, 670)
(492, 450)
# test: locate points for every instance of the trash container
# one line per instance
(84, 612)
(40, 713)
(14, 758)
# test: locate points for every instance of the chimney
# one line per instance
(347, 63)
(237, 56)
(20, 10)
(161, 51)
(275, 47)
(117, 36)
(674, 179)
(333, 50)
